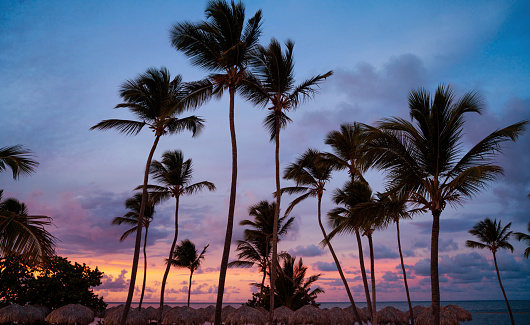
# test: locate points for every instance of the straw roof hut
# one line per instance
(461, 314)
(103, 313)
(282, 315)
(446, 317)
(21, 315)
(206, 313)
(184, 316)
(246, 315)
(151, 313)
(70, 315)
(227, 310)
(134, 317)
(308, 315)
(339, 316)
(391, 315)
(364, 316)
(43, 309)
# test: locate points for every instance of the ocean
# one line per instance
(484, 312)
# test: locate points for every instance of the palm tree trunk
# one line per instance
(276, 216)
(404, 274)
(189, 288)
(337, 263)
(231, 207)
(145, 269)
(262, 283)
(435, 284)
(363, 271)
(502, 288)
(139, 234)
(168, 266)
(372, 276)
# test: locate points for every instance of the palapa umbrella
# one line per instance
(21, 315)
(308, 315)
(282, 315)
(227, 310)
(70, 315)
(391, 315)
(426, 317)
(245, 315)
(206, 313)
(151, 313)
(461, 314)
(339, 316)
(364, 316)
(416, 310)
(184, 316)
(134, 317)
(43, 309)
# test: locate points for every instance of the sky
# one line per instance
(62, 63)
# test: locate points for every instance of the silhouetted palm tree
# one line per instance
(155, 100)
(187, 256)
(521, 236)
(222, 44)
(493, 237)
(255, 248)
(426, 157)
(273, 83)
(18, 160)
(174, 174)
(24, 235)
(133, 204)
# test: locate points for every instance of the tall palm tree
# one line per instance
(361, 212)
(347, 146)
(426, 157)
(521, 236)
(222, 45)
(493, 237)
(187, 256)
(273, 83)
(130, 218)
(22, 234)
(155, 99)
(255, 248)
(18, 160)
(311, 175)
(174, 174)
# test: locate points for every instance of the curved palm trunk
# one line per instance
(337, 263)
(139, 234)
(435, 284)
(231, 207)
(363, 271)
(168, 266)
(502, 288)
(189, 289)
(404, 274)
(262, 283)
(145, 269)
(276, 217)
(372, 276)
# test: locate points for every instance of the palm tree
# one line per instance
(493, 237)
(22, 234)
(155, 100)
(255, 249)
(273, 83)
(133, 204)
(311, 175)
(521, 236)
(426, 157)
(361, 212)
(18, 160)
(174, 174)
(348, 153)
(186, 256)
(222, 45)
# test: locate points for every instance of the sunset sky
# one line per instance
(62, 63)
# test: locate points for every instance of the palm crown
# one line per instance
(18, 160)
(131, 217)
(490, 235)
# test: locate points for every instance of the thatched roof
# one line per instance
(184, 316)
(308, 315)
(70, 315)
(339, 316)
(206, 313)
(151, 313)
(426, 317)
(282, 315)
(21, 315)
(391, 315)
(246, 315)
(461, 314)
(416, 310)
(364, 315)
(227, 310)
(134, 317)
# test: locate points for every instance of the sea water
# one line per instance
(484, 312)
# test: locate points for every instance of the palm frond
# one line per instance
(18, 160)
(123, 126)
